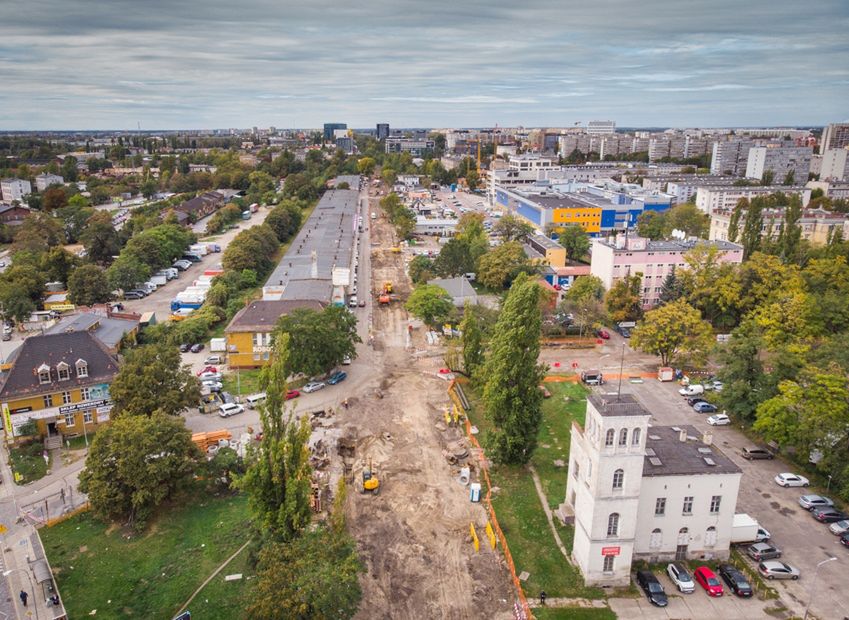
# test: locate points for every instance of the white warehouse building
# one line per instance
(636, 491)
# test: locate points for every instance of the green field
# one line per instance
(573, 613)
(151, 575)
(28, 462)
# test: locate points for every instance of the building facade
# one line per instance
(818, 226)
(43, 181)
(382, 131)
(15, 189)
(782, 161)
(712, 197)
(601, 127)
(835, 136)
(834, 166)
(415, 147)
(729, 157)
(636, 491)
(330, 128)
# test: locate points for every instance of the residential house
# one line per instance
(43, 181)
(458, 288)
(14, 215)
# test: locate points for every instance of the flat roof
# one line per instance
(614, 406)
(672, 245)
(667, 455)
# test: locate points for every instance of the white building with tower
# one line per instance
(636, 491)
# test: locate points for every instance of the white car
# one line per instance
(791, 480)
(681, 577)
(719, 419)
(839, 527)
(226, 410)
(313, 386)
(210, 376)
(213, 359)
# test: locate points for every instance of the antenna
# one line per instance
(621, 372)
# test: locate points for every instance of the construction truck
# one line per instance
(383, 297)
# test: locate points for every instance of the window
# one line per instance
(714, 504)
(85, 393)
(576, 469)
(613, 525)
(656, 538)
(82, 368)
(688, 505)
(64, 371)
(618, 479)
(66, 398)
(44, 374)
(608, 439)
(48, 400)
(660, 506)
(88, 417)
(608, 563)
(635, 437)
(623, 437)
(69, 419)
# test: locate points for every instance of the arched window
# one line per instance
(710, 537)
(683, 536)
(656, 539)
(608, 439)
(613, 525)
(623, 437)
(618, 479)
(635, 437)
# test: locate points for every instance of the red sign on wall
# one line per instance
(610, 550)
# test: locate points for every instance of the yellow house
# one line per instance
(551, 252)
(61, 383)
(249, 333)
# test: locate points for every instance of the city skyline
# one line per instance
(65, 66)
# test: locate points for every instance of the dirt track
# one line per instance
(414, 536)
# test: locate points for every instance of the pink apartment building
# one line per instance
(623, 256)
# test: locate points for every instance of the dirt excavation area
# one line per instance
(413, 536)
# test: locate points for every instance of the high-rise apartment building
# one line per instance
(730, 157)
(834, 136)
(601, 127)
(329, 128)
(382, 131)
(834, 165)
(781, 161)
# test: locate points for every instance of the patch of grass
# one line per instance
(573, 613)
(245, 382)
(222, 600)
(148, 575)
(28, 462)
(78, 442)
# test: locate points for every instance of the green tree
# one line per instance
(585, 288)
(318, 340)
(57, 264)
(135, 464)
(365, 165)
(623, 299)
(154, 379)
(75, 216)
(421, 269)
(512, 228)
(671, 289)
(454, 259)
(278, 474)
(734, 221)
(473, 351)
(675, 332)
(583, 301)
(88, 285)
(789, 178)
(689, 218)
(790, 238)
(126, 272)
(653, 225)
(404, 223)
(253, 248)
(100, 238)
(511, 395)
(285, 220)
(742, 372)
(470, 230)
(499, 267)
(38, 233)
(15, 303)
(430, 303)
(576, 242)
(767, 178)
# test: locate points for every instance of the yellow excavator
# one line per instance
(371, 484)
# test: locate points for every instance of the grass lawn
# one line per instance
(244, 381)
(223, 600)
(28, 462)
(573, 613)
(78, 442)
(518, 507)
(149, 575)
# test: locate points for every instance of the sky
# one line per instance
(200, 64)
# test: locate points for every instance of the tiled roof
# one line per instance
(262, 315)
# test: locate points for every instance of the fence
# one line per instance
(55, 507)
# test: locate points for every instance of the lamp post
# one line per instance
(8, 572)
(814, 585)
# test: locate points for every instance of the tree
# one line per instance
(583, 301)
(88, 285)
(734, 221)
(15, 303)
(512, 228)
(586, 288)
(318, 340)
(365, 165)
(278, 475)
(767, 177)
(470, 230)
(135, 464)
(623, 299)
(742, 372)
(511, 395)
(454, 259)
(430, 303)
(653, 225)
(472, 341)
(421, 269)
(38, 233)
(789, 178)
(57, 264)
(576, 242)
(674, 332)
(689, 218)
(499, 267)
(100, 238)
(253, 248)
(285, 220)
(126, 272)
(405, 223)
(54, 198)
(789, 241)
(153, 379)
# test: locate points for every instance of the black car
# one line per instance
(844, 539)
(735, 580)
(695, 399)
(651, 586)
(133, 295)
(184, 348)
(197, 348)
(828, 514)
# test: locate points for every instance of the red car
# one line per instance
(292, 394)
(603, 334)
(207, 369)
(708, 580)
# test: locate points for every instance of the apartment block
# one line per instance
(14, 189)
(833, 165)
(817, 225)
(43, 181)
(834, 136)
(730, 157)
(781, 161)
(710, 198)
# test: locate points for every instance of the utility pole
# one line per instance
(814, 585)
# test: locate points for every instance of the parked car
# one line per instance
(717, 386)
(133, 295)
(681, 577)
(736, 581)
(362, 303)
(212, 369)
(829, 514)
(313, 386)
(809, 502)
(763, 551)
(184, 348)
(773, 569)
(839, 527)
(346, 361)
(706, 578)
(229, 409)
(651, 586)
(603, 334)
(844, 539)
(197, 347)
(704, 408)
(693, 400)
(337, 377)
(791, 480)
(214, 376)
(592, 377)
(292, 394)
(753, 454)
(214, 359)
(720, 419)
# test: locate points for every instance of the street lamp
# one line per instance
(814, 585)
(8, 572)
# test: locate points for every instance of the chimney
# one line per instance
(707, 438)
(682, 435)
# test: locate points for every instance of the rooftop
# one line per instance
(670, 245)
(456, 287)
(667, 455)
(107, 329)
(262, 315)
(614, 406)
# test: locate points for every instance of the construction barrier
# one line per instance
(475, 540)
(71, 513)
(490, 533)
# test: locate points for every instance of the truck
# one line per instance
(159, 280)
(745, 529)
(185, 300)
(213, 247)
(199, 248)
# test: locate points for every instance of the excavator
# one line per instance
(383, 297)
(371, 483)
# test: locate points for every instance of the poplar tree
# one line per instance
(511, 396)
(472, 341)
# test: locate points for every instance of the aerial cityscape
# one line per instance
(424, 310)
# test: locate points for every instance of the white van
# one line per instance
(692, 390)
(253, 401)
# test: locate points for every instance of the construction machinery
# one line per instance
(371, 483)
(383, 298)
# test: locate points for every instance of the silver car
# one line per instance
(839, 527)
(809, 502)
(313, 386)
(773, 569)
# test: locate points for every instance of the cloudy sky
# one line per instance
(101, 64)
